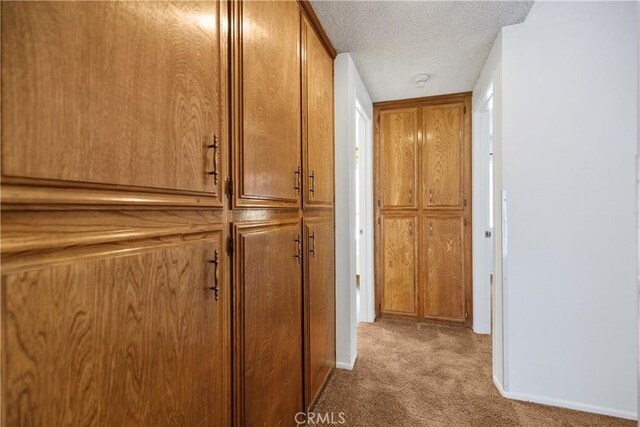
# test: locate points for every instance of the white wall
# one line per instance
(348, 87)
(569, 140)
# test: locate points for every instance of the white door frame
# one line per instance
(367, 303)
(483, 247)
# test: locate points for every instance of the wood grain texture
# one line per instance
(440, 119)
(315, 21)
(320, 306)
(267, 92)
(317, 102)
(442, 162)
(119, 93)
(268, 324)
(117, 341)
(398, 158)
(399, 257)
(444, 287)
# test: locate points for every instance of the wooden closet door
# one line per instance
(320, 305)
(138, 339)
(267, 115)
(115, 93)
(317, 83)
(444, 293)
(398, 158)
(399, 264)
(268, 318)
(443, 156)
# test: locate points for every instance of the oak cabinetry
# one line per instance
(320, 332)
(423, 234)
(267, 124)
(398, 158)
(399, 249)
(317, 107)
(106, 339)
(119, 94)
(268, 331)
(151, 153)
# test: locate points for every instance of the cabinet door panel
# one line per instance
(131, 340)
(444, 287)
(117, 93)
(399, 253)
(320, 305)
(443, 174)
(268, 289)
(318, 120)
(269, 74)
(398, 158)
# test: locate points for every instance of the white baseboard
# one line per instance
(346, 366)
(564, 403)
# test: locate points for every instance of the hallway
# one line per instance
(413, 374)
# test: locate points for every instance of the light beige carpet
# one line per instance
(410, 374)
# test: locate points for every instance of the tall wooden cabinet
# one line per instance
(423, 209)
(167, 213)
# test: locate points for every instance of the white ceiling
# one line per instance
(392, 41)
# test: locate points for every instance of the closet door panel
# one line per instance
(444, 296)
(443, 156)
(317, 79)
(115, 93)
(398, 158)
(268, 109)
(128, 340)
(268, 313)
(320, 305)
(399, 260)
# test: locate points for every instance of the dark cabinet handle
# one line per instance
(312, 244)
(216, 279)
(298, 176)
(214, 172)
(312, 186)
(298, 254)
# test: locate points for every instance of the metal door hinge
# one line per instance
(229, 188)
(466, 315)
(378, 220)
(464, 110)
(230, 245)
(378, 202)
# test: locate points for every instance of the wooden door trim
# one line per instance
(317, 26)
(465, 211)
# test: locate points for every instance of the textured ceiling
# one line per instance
(392, 41)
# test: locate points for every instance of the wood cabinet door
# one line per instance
(138, 339)
(399, 264)
(115, 93)
(320, 305)
(444, 290)
(398, 158)
(443, 128)
(267, 114)
(317, 113)
(268, 319)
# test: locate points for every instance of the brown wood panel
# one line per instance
(444, 268)
(399, 247)
(267, 93)
(118, 93)
(121, 340)
(268, 323)
(398, 159)
(442, 152)
(320, 306)
(317, 96)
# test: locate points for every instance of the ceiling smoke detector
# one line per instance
(420, 80)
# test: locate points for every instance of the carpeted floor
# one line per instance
(410, 374)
